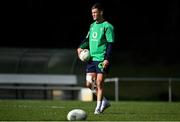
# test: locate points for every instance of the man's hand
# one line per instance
(79, 50)
(105, 63)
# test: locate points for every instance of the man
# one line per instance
(99, 41)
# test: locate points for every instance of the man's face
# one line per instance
(96, 14)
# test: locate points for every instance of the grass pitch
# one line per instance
(57, 110)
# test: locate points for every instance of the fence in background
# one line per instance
(117, 81)
(54, 82)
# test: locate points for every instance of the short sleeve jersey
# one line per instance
(99, 35)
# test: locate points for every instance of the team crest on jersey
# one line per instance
(94, 35)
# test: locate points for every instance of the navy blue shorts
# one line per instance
(97, 67)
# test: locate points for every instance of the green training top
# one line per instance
(98, 36)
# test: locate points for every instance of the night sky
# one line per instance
(149, 27)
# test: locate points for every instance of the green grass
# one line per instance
(57, 110)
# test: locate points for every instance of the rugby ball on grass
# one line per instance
(84, 55)
(76, 115)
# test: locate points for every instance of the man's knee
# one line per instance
(89, 80)
(99, 85)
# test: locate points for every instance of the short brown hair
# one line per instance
(98, 6)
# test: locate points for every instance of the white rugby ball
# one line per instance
(76, 115)
(84, 55)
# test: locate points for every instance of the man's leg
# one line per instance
(91, 83)
(100, 94)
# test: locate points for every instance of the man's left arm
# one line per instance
(110, 40)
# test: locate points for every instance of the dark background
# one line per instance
(144, 28)
(146, 45)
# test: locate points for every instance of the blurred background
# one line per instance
(41, 37)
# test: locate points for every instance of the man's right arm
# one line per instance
(84, 45)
